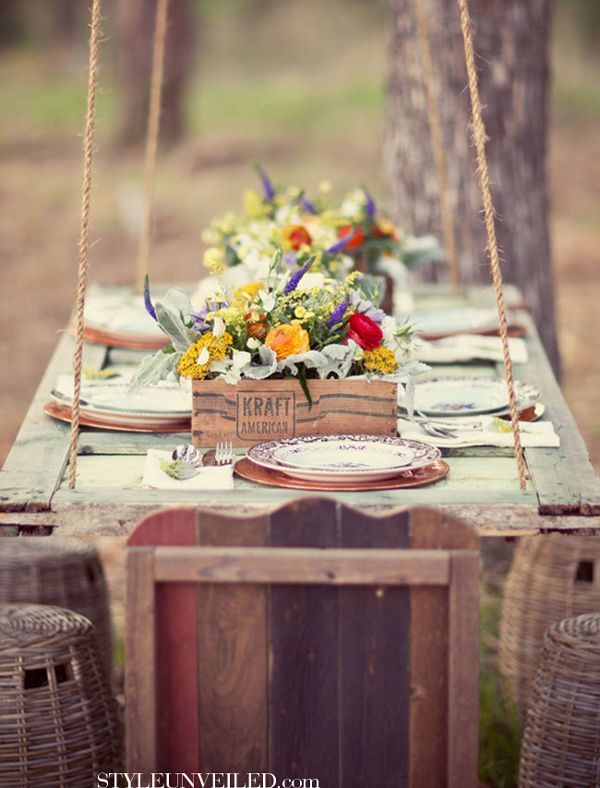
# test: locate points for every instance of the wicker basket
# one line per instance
(58, 571)
(551, 578)
(58, 724)
(561, 744)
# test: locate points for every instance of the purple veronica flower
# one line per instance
(268, 188)
(294, 280)
(148, 301)
(290, 260)
(308, 205)
(338, 314)
(340, 245)
(198, 318)
(370, 206)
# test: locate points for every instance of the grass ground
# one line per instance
(301, 90)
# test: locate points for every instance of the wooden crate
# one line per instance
(259, 410)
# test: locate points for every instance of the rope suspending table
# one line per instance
(563, 492)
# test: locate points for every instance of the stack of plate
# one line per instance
(343, 462)
(111, 405)
(438, 323)
(119, 319)
(469, 397)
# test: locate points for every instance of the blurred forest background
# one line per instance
(298, 85)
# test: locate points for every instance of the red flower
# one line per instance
(357, 237)
(365, 332)
(295, 236)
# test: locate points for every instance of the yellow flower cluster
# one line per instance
(381, 361)
(214, 260)
(195, 362)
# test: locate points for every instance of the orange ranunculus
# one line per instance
(356, 235)
(287, 340)
(294, 236)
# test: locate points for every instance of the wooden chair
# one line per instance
(315, 641)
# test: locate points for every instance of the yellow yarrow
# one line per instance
(381, 361)
(208, 348)
(214, 260)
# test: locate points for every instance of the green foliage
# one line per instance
(499, 727)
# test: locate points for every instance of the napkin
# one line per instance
(468, 347)
(533, 434)
(211, 477)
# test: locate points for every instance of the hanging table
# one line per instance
(563, 493)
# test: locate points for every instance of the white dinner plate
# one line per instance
(453, 321)
(114, 398)
(120, 313)
(460, 396)
(343, 457)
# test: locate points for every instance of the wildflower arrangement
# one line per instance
(296, 323)
(335, 237)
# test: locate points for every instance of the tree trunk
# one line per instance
(511, 40)
(136, 33)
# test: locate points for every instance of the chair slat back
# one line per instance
(315, 641)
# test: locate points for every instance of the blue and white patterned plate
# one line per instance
(343, 457)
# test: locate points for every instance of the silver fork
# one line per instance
(434, 429)
(224, 453)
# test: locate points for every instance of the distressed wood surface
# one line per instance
(301, 565)
(232, 656)
(564, 492)
(140, 685)
(374, 648)
(335, 682)
(304, 659)
(565, 480)
(175, 649)
(37, 460)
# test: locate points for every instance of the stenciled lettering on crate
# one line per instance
(253, 411)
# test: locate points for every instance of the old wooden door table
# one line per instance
(563, 492)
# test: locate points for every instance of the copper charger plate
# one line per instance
(63, 413)
(417, 478)
(100, 336)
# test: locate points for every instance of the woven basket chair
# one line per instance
(551, 578)
(58, 571)
(561, 744)
(58, 724)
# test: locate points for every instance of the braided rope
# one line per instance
(479, 140)
(437, 142)
(156, 83)
(88, 154)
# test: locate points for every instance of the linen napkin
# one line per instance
(468, 347)
(484, 432)
(210, 477)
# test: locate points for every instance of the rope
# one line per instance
(88, 153)
(479, 139)
(156, 83)
(437, 141)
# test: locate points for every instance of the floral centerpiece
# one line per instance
(337, 238)
(303, 352)
(293, 324)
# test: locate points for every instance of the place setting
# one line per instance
(324, 462)
(118, 318)
(436, 324)
(110, 403)
(447, 412)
